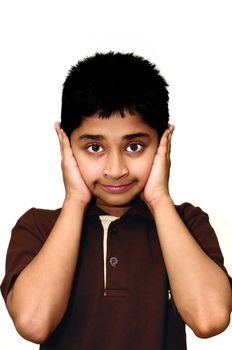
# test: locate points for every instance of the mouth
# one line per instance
(117, 188)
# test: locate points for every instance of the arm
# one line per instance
(39, 297)
(200, 288)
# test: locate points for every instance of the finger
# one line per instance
(58, 131)
(66, 150)
(65, 140)
(171, 129)
(163, 144)
(164, 148)
(57, 125)
(164, 138)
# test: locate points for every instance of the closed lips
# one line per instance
(117, 188)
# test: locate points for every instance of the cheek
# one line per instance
(143, 168)
(89, 171)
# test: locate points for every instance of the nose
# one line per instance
(115, 166)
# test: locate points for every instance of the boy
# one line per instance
(119, 266)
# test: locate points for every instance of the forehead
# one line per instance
(114, 127)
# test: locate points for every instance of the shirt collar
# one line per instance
(138, 208)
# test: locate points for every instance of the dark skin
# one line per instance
(200, 288)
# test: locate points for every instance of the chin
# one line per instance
(117, 200)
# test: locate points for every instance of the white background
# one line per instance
(190, 41)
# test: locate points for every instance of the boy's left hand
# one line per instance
(157, 183)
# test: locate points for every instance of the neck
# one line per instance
(114, 211)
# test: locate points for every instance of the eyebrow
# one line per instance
(99, 137)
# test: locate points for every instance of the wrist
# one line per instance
(72, 200)
(161, 201)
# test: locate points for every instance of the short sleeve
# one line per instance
(27, 238)
(197, 222)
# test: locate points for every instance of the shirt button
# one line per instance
(113, 230)
(113, 261)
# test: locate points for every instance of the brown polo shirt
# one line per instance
(120, 297)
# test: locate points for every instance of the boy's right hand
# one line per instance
(75, 186)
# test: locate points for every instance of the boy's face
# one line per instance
(114, 156)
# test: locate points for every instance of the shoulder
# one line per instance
(187, 208)
(38, 220)
(198, 224)
(191, 214)
(27, 238)
(44, 215)
(38, 214)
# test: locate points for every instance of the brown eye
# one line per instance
(134, 147)
(94, 148)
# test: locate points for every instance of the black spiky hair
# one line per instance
(108, 82)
